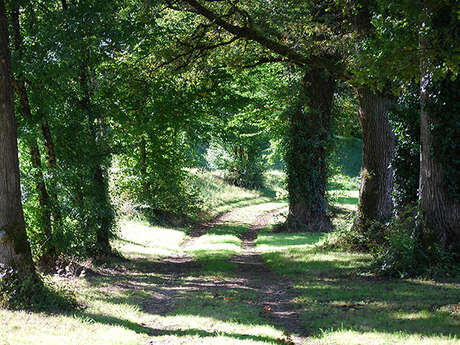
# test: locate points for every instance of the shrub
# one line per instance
(21, 289)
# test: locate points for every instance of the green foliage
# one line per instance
(405, 119)
(410, 250)
(401, 248)
(21, 289)
(443, 106)
(243, 164)
(344, 114)
(163, 195)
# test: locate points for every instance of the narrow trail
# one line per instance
(276, 291)
(202, 229)
(181, 277)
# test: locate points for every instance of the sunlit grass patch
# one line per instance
(220, 197)
(308, 261)
(276, 242)
(248, 215)
(211, 244)
(227, 316)
(343, 190)
(72, 329)
(139, 239)
(374, 337)
(192, 329)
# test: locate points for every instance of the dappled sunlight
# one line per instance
(221, 196)
(373, 337)
(277, 242)
(248, 215)
(311, 260)
(215, 244)
(214, 326)
(182, 290)
(138, 239)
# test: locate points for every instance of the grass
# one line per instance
(171, 293)
(349, 155)
(342, 304)
(220, 197)
(224, 240)
(138, 239)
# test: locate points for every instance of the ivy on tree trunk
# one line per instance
(307, 154)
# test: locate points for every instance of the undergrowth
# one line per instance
(27, 290)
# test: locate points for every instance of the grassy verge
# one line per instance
(344, 304)
(224, 240)
(220, 197)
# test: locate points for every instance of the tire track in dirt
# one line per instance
(276, 291)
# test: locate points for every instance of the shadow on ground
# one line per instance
(237, 291)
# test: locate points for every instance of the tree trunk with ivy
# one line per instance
(438, 195)
(306, 156)
(375, 194)
(14, 245)
(99, 176)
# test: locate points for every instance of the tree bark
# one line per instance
(43, 196)
(14, 245)
(440, 211)
(99, 179)
(375, 195)
(51, 163)
(306, 158)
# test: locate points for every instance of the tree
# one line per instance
(375, 194)
(318, 59)
(14, 245)
(375, 101)
(439, 116)
(306, 154)
(49, 249)
(420, 42)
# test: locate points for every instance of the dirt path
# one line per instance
(181, 281)
(202, 229)
(276, 291)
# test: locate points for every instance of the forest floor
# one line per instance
(234, 281)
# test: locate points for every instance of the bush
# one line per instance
(402, 248)
(21, 289)
(408, 249)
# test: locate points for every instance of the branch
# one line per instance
(260, 62)
(195, 51)
(250, 33)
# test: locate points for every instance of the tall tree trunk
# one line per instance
(44, 201)
(43, 196)
(306, 158)
(375, 194)
(14, 245)
(99, 178)
(440, 211)
(51, 163)
(52, 203)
